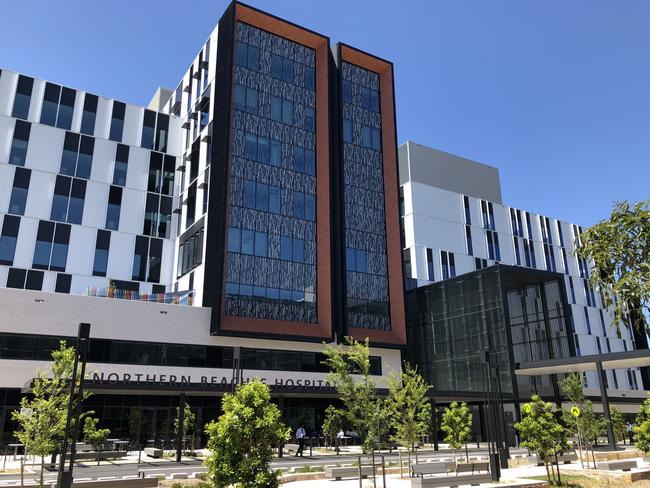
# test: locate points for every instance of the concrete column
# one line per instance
(605, 402)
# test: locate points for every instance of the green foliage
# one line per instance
(619, 249)
(541, 432)
(407, 405)
(641, 428)
(241, 441)
(457, 425)
(618, 423)
(349, 367)
(92, 434)
(189, 423)
(334, 421)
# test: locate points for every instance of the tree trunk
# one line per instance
(466, 454)
(593, 456)
(42, 470)
(548, 474)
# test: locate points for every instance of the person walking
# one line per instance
(300, 437)
(630, 432)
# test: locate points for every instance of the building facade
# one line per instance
(454, 223)
(257, 204)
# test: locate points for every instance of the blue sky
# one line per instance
(556, 94)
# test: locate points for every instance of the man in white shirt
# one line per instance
(300, 437)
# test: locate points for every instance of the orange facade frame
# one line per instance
(323, 328)
(397, 334)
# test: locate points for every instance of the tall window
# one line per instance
(572, 289)
(148, 129)
(431, 276)
(19, 191)
(18, 152)
(515, 243)
(494, 251)
(121, 165)
(68, 200)
(89, 114)
(468, 214)
(406, 257)
(23, 97)
(487, 212)
(102, 245)
(58, 106)
(448, 264)
(51, 251)
(117, 121)
(8, 239)
(77, 156)
(146, 259)
(113, 208)
(468, 240)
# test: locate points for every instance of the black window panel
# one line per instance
(102, 245)
(162, 131)
(60, 199)
(16, 278)
(66, 108)
(50, 104)
(8, 239)
(89, 114)
(19, 143)
(77, 197)
(19, 191)
(125, 285)
(85, 160)
(140, 258)
(155, 256)
(60, 247)
(70, 154)
(191, 205)
(63, 282)
(165, 216)
(155, 172)
(34, 280)
(23, 97)
(158, 289)
(148, 129)
(151, 214)
(168, 175)
(117, 121)
(113, 208)
(121, 165)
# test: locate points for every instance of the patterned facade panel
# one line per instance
(364, 206)
(271, 263)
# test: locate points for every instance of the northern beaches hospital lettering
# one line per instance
(185, 381)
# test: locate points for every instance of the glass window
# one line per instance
(140, 258)
(430, 269)
(286, 248)
(8, 239)
(248, 242)
(85, 160)
(66, 108)
(253, 58)
(310, 120)
(366, 135)
(298, 159)
(249, 194)
(121, 165)
(310, 83)
(240, 97)
(77, 197)
(298, 205)
(162, 128)
(241, 55)
(276, 66)
(60, 199)
(276, 153)
(298, 250)
(276, 109)
(374, 100)
(165, 216)
(151, 214)
(351, 259)
(43, 248)
(34, 280)
(251, 147)
(169, 170)
(310, 207)
(155, 256)
(347, 130)
(310, 162)
(260, 244)
(347, 91)
(19, 143)
(63, 282)
(19, 191)
(251, 100)
(155, 172)
(148, 129)
(365, 97)
(23, 97)
(275, 202)
(102, 245)
(263, 152)
(287, 70)
(376, 139)
(117, 121)
(89, 114)
(287, 112)
(362, 265)
(234, 239)
(50, 104)
(69, 154)
(16, 278)
(262, 199)
(113, 209)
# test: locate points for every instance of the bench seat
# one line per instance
(338, 472)
(622, 464)
(451, 480)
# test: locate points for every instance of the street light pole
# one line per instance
(64, 478)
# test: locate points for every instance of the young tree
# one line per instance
(241, 441)
(92, 434)
(408, 408)
(618, 423)
(619, 250)
(42, 415)
(333, 424)
(189, 423)
(457, 425)
(641, 428)
(349, 367)
(540, 431)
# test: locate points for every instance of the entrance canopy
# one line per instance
(613, 360)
